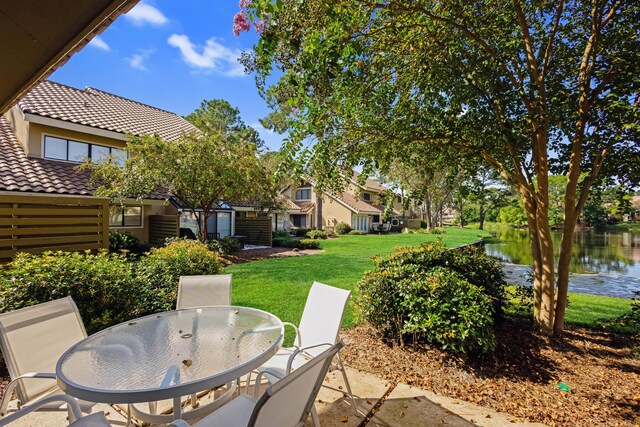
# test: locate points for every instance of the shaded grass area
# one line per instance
(281, 285)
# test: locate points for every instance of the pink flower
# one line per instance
(240, 23)
(244, 4)
(259, 26)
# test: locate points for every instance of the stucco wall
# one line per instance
(334, 212)
(142, 233)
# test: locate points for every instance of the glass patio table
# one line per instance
(169, 355)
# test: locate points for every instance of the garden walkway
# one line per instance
(380, 404)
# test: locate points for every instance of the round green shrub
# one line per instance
(450, 298)
(316, 234)
(342, 228)
(101, 284)
(225, 246)
(308, 244)
(357, 233)
(160, 271)
(126, 242)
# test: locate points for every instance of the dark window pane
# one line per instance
(366, 196)
(78, 151)
(115, 216)
(55, 148)
(99, 153)
(133, 216)
(303, 194)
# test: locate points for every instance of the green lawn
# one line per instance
(281, 285)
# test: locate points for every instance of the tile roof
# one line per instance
(21, 173)
(103, 110)
(369, 183)
(357, 204)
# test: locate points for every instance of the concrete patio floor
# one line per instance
(379, 404)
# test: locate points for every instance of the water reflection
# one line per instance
(611, 261)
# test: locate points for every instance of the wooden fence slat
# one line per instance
(48, 241)
(50, 221)
(47, 200)
(49, 230)
(66, 211)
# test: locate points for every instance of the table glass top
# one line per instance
(171, 349)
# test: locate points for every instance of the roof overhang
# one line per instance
(38, 36)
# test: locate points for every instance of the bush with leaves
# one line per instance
(225, 246)
(356, 233)
(316, 234)
(101, 284)
(449, 298)
(342, 228)
(289, 242)
(160, 271)
(126, 242)
(628, 322)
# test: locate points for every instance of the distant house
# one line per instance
(54, 128)
(358, 205)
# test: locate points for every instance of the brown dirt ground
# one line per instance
(258, 254)
(521, 377)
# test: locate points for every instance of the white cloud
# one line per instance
(137, 60)
(144, 13)
(98, 43)
(261, 129)
(213, 56)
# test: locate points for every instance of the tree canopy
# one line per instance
(525, 87)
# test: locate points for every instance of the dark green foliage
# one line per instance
(450, 298)
(126, 242)
(316, 234)
(101, 284)
(438, 231)
(357, 233)
(342, 228)
(289, 242)
(301, 232)
(160, 271)
(522, 300)
(226, 245)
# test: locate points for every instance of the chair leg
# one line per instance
(346, 382)
(153, 407)
(314, 416)
(194, 401)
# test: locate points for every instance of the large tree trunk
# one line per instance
(481, 214)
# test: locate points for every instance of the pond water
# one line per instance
(603, 263)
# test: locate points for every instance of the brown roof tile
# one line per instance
(103, 110)
(357, 204)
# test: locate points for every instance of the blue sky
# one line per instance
(173, 55)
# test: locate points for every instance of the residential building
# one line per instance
(54, 128)
(359, 205)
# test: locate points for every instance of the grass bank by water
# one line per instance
(280, 285)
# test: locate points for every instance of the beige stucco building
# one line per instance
(54, 128)
(359, 205)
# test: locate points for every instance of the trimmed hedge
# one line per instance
(450, 298)
(101, 284)
(342, 228)
(316, 234)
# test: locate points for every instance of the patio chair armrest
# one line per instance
(303, 352)
(295, 328)
(8, 392)
(70, 401)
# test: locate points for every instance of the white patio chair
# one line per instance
(32, 340)
(76, 419)
(319, 326)
(286, 403)
(203, 291)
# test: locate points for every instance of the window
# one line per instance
(75, 151)
(376, 218)
(299, 221)
(366, 197)
(303, 194)
(127, 216)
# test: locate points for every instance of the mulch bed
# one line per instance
(521, 377)
(267, 253)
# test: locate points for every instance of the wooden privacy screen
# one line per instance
(257, 230)
(161, 227)
(37, 223)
